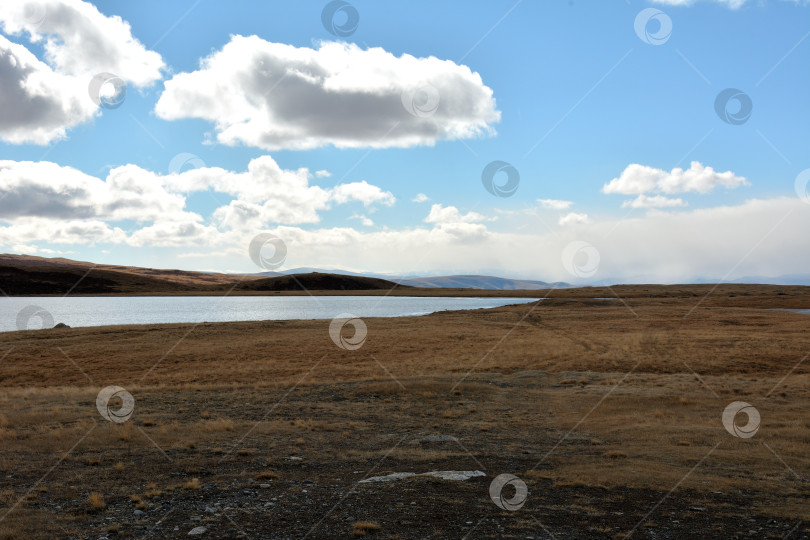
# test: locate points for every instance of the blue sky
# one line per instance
(580, 96)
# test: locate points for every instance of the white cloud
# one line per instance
(573, 218)
(45, 190)
(450, 214)
(420, 198)
(276, 96)
(70, 231)
(323, 173)
(653, 201)
(42, 98)
(79, 40)
(363, 192)
(450, 222)
(553, 204)
(640, 179)
(38, 103)
(366, 221)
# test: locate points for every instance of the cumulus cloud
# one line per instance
(276, 96)
(42, 98)
(450, 221)
(641, 180)
(363, 192)
(38, 103)
(365, 220)
(553, 204)
(451, 214)
(46, 190)
(420, 198)
(79, 40)
(573, 218)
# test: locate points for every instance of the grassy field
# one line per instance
(610, 412)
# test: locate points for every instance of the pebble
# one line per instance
(196, 530)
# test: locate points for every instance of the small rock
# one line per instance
(196, 530)
(196, 518)
(264, 486)
(209, 510)
(138, 512)
(460, 476)
(61, 325)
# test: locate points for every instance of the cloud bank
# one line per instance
(44, 204)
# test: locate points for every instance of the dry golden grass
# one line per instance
(194, 483)
(96, 501)
(266, 475)
(362, 528)
(644, 396)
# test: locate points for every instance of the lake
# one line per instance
(30, 312)
(802, 311)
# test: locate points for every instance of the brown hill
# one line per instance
(22, 275)
(182, 277)
(59, 280)
(317, 281)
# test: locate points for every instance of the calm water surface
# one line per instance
(30, 312)
(802, 311)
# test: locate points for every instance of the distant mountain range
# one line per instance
(454, 282)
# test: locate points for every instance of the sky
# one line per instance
(620, 141)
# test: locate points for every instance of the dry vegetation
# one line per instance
(601, 408)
